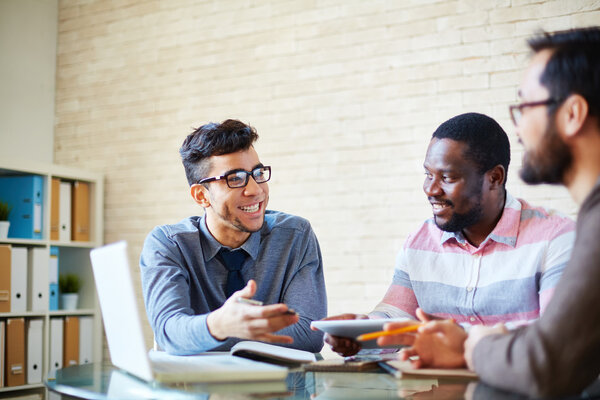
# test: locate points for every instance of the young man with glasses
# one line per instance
(204, 278)
(559, 126)
(485, 257)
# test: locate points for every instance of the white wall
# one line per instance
(28, 32)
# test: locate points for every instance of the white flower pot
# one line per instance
(4, 225)
(69, 301)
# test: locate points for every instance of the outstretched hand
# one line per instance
(245, 321)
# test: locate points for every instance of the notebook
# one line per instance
(124, 334)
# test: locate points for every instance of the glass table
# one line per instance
(103, 381)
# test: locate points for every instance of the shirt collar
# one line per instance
(505, 231)
(211, 246)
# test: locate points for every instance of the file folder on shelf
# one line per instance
(5, 260)
(54, 206)
(18, 280)
(25, 193)
(80, 206)
(64, 212)
(15, 351)
(86, 337)
(56, 346)
(71, 341)
(53, 279)
(37, 278)
(34, 351)
(2, 349)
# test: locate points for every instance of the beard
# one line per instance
(549, 162)
(458, 222)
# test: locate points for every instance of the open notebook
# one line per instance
(128, 350)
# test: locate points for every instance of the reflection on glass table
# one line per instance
(103, 381)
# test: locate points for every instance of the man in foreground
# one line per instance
(485, 257)
(198, 274)
(558, 123)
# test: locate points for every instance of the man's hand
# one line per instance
(235, 319)
(477, 333)
(342, 345)
(404, 339)
(438, 344)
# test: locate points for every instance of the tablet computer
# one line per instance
(352, 328)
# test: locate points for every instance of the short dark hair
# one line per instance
(213, 139)
(573, 67)
(487, 142)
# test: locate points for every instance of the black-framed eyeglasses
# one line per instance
(240, 178)
(516, 110)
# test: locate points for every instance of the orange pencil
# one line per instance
(375, 335)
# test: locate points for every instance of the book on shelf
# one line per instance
(53, 278)
(25, 193)
(80, 212)
(15, 351)
(5, 281)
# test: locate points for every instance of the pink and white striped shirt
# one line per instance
(509, 278)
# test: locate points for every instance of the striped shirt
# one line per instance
(509, 278)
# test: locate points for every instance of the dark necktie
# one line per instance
(233, 261)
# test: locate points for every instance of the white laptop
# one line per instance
(128, 350)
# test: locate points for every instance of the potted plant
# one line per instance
(69, 285)
(5, 209)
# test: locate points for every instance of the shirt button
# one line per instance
(469, 289)
(472, 319)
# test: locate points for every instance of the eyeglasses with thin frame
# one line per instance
(516, 110)
(240, 178)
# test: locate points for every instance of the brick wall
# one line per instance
(344, 93)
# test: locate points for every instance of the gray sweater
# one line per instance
(183, 280)
(560, 353)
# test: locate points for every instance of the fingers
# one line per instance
(341, 317)
(425, 317)
(341, 345)
(248, 291)
(402, 339)
(267, 337)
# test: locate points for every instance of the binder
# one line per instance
(25, 193)
(54, 207)
(86, 339)
(53, 279)
(18, 279)
(37, 278)
(34, 351)
(56, 346)
(71, 341)
(2, 347)
(15, 351)
(5, 260)
(64, 212)
(80, 214)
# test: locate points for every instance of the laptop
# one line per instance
(124, 334)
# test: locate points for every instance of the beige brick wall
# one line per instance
(344, 93)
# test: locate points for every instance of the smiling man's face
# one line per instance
(453, 185)
(235, 211)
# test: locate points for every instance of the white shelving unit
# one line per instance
(74, 257)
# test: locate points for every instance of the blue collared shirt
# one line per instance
(183, 280)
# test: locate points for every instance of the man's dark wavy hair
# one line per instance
(213, 139)
(487, 143)
(574, 67)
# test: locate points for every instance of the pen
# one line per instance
(375, 335)
(249, 301)
(253, 302)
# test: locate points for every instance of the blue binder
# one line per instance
(53, 279)
(26, 195)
